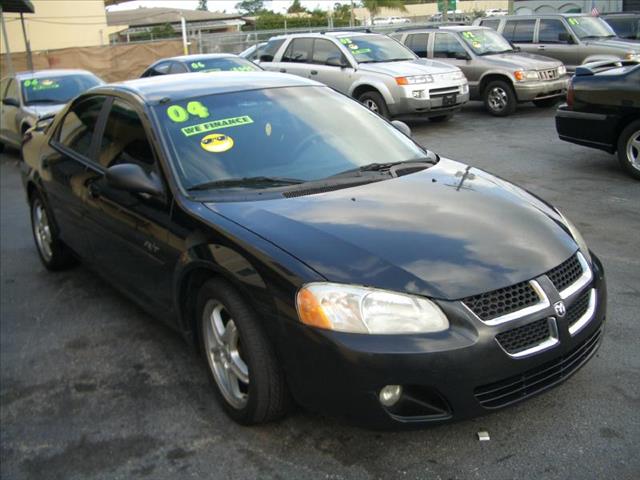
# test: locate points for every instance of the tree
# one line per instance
(296, 7)
(250, 7)
(202, 5)
(162, 31)
(374, 6)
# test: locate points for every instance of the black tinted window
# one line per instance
(160, 69)
(490, 23)
(418, 43)
(124, 139)
(268, 51)
(324, 50)
(519, 31)
(550, 30)
(12, 89)
(447, 46)
(79, 124)
(299, 51)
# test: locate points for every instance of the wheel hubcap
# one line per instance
(42, 231)
(497, 98)
(633, 150)
(371, 105)
(224, 354)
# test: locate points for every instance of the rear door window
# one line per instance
(79, 125)
(492, 23)
(324, 50)
(299, 51)
(417, 42)
(446, 45)
(177, 67)
(268, 51)
(519, 31)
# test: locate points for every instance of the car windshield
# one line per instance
(223, 64)
(296, 133)
(56, 89)
(625, 27)
(590, 27)
(486, 42)
(376, 48)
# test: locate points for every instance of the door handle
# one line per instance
(283, 70)
(314, 72)
(94, 190)
(540, 47)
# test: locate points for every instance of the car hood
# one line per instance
(525, 61)
(447, 232)
(618, 43)
(42, 110)
(408, 68)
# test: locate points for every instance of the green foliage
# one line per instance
(162, 31)
(202, 5)
(374, 6)
(267, 20)
(296, 7)
(250, 7)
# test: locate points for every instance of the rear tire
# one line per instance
(546, 102)
(1, 147)
(629, 149)
(374, 102)
(441, 118)
(249, 382)
(54, 254)
(499, 98)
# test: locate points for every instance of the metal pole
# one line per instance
(26, 43)
(6, 44)
(352, 17)
(185, 47)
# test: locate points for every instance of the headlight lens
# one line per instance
(562, 70)
(415, 80)
(524, 75)
(577, 236)
(632, 56)
(347, 308)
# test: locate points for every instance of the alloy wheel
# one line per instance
(224, 354)
(42, 230)
(633, 150)
(371, 105)
(498, 99)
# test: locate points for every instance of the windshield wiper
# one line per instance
(246, 182)
(509, 50)
(44, 100)
(596, 37)
(381, 167)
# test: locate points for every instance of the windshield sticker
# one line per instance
(216, 143)
(36, 84)
(573, 21)
(353, 46)
(468, 35)
(244, 68)
(361, 51)
(216, 125)
(197, 65)
(345, 41)
(179, 114)
(476, 45)
(267, 129)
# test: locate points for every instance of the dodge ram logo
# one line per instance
(560, 309)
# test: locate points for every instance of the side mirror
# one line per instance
(461, 56)
(336, 61)
(11, 102)
(130, 177)
(265, 58)
(402, 127)
(565, 37)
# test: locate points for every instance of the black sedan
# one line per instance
(314, 252)
(603, 111)
(214, 62)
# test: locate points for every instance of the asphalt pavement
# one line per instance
(91, 387)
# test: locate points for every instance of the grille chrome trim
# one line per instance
(544, 303)
(582, 282)
(582, 322)
(550, 342)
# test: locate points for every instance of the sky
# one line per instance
(224, 5)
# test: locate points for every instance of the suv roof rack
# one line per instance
(432, 25)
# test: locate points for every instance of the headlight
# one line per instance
(632, 56)
(562, 70)
(415, 80)
(524, 75)
(577, 237)
(348, 308)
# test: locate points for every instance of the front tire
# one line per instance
(249, 382)
(499, 98)
(374, 102)
(546, 102)
(54, 254)
(629, 149)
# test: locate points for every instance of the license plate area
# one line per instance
(449, 100)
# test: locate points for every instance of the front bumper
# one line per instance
(433, 103)
(452, 375)
(527, 91)
(595, 130)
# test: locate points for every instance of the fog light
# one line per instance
(465, 88)
(390, 395)
(418, 93)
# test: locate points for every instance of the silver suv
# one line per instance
(376, 70)
(574, 39)
(497, 75)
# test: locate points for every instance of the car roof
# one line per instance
(340, 34)
(536, 15)
(621, 14)
(446, 28)
(57, 72)
(195, 56)
(187, 85)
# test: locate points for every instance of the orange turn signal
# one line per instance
(402, 81)
(310, 311)
(519, 75)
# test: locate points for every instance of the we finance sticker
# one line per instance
(216, 125)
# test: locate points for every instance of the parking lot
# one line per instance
(92, 387)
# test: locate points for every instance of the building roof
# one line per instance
(141, 17)
(155, 89)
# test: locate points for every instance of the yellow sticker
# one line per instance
(216, 143)
(476, 45)
(353, 46)
(267, 129)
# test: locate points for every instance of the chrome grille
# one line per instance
(548, 74)
(490, 305)
(518, 340)
(565, 274)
